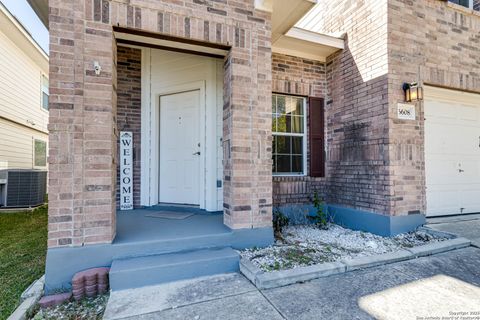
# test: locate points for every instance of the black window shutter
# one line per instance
(316, 133)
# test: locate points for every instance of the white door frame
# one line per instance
(211, 104)
(150, 132)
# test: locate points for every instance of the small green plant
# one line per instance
(320, 218)
(297, 255)
(280, 221)
(273, 267)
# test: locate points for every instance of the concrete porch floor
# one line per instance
(142, 236)
(136, 226)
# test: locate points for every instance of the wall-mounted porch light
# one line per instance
(413, 92)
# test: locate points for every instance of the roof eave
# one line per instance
(41, 9)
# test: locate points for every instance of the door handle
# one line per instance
(196, 153)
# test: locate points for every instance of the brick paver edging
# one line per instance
(268, 280)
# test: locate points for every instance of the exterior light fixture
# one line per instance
(413, 92)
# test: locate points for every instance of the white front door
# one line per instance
(180, 148)
(452, 153)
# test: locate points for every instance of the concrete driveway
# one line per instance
(442, 285)
(467, 226)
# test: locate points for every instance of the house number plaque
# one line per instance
(126, 170)
(406, 111)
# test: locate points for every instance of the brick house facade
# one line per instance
(374, 163)
(83, 154)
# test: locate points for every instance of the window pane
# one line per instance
(283, 164)
(465, 3)
(282, 125)
(289, 105)
(296, 125)
(40, 154)
(45, 101)
(282, 144)
(297, 145)
(291, 124)
(297, 164)
(288, 150)
(294, 106)
(299, 106)
(45, 83)
(281, 104)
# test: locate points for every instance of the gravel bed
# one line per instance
(308, 245)
(85, 309)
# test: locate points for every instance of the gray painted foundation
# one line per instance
(138, 236)
(147, 237)
(382, 225)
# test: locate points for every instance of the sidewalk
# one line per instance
(449, 282)
(467, 226)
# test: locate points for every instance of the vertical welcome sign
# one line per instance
(126, 170)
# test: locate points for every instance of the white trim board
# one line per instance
(307, 44)
(166, 72)
(432, 92)
(169, 43)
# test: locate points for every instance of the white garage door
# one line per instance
(452, 152)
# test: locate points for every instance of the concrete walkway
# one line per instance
(425, 287)
(467, 226)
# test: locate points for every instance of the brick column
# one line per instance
(248, 133)
(82, 144)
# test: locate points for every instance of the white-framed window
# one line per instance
(465, 3)
(45, 92)
(289, 127)
(39, 153)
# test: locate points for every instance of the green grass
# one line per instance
(23, 245)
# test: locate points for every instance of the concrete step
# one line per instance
(156, 269)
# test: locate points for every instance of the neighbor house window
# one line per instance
(44, 92)
(465, 3)
(289, 138)
(39, 153)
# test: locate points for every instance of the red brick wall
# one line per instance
(432, 42)
(82, 139)
(374, 161)
(129, 94)
(357, 107)
(298, 76)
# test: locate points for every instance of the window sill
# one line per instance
(463, 9)
(292, 178)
